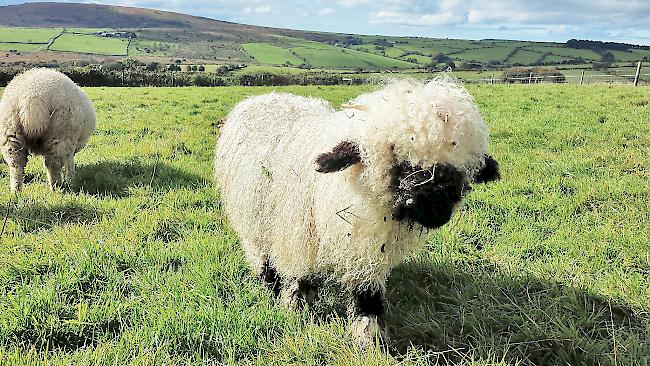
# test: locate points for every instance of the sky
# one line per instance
(541, 20)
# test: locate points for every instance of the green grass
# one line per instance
(27, 35)
(145, 47)
(525, 57)
(632, 55)
(570, 53)
(135, 263)
(319, 55)
(499, 53)
(268, 54)
(90, 44)
(326, 56)
(21, 47)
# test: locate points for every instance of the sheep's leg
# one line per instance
(69, 167)
(15, 154)
(290, 294)
(297, 292)
(53, 164)
(366, 311)
(269, 277)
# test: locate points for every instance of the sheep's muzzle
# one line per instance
(427, 196)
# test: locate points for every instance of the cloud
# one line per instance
(406, 18)
(261, 9)
(352, 3)
(327, 11)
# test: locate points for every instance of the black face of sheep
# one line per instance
(426, 196)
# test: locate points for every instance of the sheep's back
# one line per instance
(44, 101)
(264, 169)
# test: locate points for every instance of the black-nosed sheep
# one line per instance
(311, 190)
(43, 112)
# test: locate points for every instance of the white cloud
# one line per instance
(406, 18)
(352, 3)
(261, 9)
(327, 11)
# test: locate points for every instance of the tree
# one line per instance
(608, 57)
(153, 66)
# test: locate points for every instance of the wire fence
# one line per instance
(644, 79)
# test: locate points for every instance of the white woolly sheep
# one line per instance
(43, 112)
(400, 159)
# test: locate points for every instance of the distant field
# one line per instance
(27, 35)
(323, 55)
(265, 53)
(332, 51)
(317, 54)
(568, 52)
(90, 44)
(485, 54)
(145, 47)
(21, 47)
(525, 57)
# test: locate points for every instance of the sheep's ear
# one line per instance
(490, 171)
(344, 155)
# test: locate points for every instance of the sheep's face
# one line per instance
(424, 196)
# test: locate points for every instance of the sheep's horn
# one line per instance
(360, 107)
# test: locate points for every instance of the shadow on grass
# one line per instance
(32, 218)
(458, 312)
(116, 178)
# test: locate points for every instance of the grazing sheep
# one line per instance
(43, 112)
(314, 191)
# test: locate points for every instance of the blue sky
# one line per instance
(542, 20)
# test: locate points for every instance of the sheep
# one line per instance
(43, 112)
(312, 191)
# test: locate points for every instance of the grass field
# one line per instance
(27, 35)
(90, 44)
(135, 262)
(298, 51)
(525, 57)
(267, 54)
(21, 47)
(489, 54)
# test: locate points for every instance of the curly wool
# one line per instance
(307, 222)
(47, 112)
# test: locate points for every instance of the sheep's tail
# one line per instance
(35, 115)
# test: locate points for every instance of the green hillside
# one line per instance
(165, 37)
(90, 44)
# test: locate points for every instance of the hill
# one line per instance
(69, 31)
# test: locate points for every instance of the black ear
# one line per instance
(490, 171)
(344, 155)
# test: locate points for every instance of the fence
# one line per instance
(614, 76)
(644, 79)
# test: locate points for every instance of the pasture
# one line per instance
(82, 43)
(134, 261)
(297, 51)
(28, 35)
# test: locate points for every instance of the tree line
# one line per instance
(142, 76)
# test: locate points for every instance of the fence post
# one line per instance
(638, 73)
(530, 78)
(582, 77)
